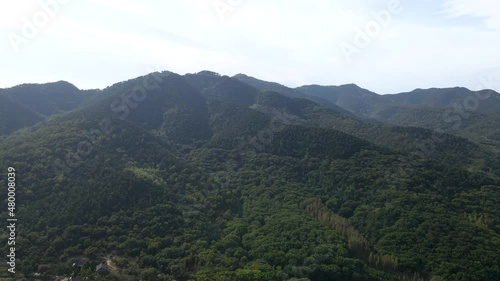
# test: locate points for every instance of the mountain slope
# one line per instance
(269, 86)
(212, 85)
(25, 105)
(288, 92)
(409, 140)
(486, 101)
(173, 177)
(47, 99)
(14, 116)
(456, 111)
(163, 103)
(351, 97)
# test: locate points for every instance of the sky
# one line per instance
(386, 46)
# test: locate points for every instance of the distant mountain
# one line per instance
(27, 104)
(351, 97)
(14, 116)
(303, 111)
(437, 109)
(288, 92)
(484, 101)
(47, 99)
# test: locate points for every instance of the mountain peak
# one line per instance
(208, 73)
(58, 84)
(242, 75)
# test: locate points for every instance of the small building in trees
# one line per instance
(102, 268)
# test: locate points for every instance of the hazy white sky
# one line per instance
(386, 46)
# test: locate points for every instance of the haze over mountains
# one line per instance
(210, 177)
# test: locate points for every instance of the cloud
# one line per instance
(487, 9)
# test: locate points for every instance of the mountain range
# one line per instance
(209, 177)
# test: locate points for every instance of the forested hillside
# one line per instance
(474, 115)
(25, 105)
(208, 177)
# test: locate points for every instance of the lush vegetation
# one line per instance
(474, 115)
(207, 178)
